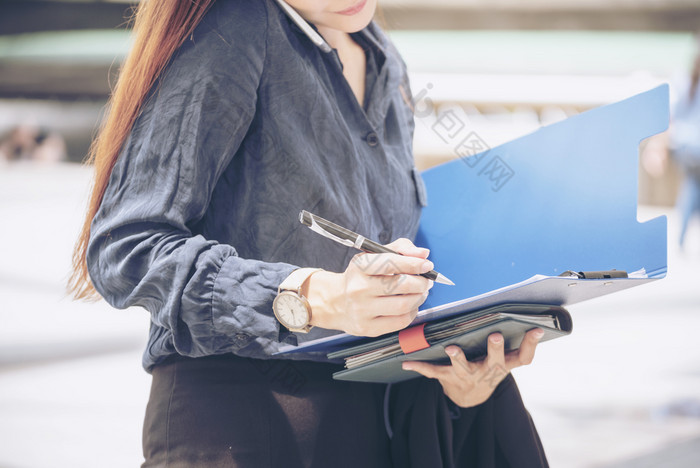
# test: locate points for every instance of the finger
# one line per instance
(495, 357)
(406, 247)
(389, 285)
(418, 300)
(526, 353)
(388, 323)
(394, 306)
(431, 371)
(391, 264)
(382, 324)
(404, 302)
(461, 366)
(399, 304)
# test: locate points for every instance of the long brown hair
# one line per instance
(160, 27)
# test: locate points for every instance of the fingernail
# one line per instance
(426, 266)
(406, 366)
(538, 334)
(496, 339)
(451, 351)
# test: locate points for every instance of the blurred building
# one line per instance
(502, 68)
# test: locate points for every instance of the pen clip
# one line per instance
(319, 230)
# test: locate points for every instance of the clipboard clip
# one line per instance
(605, 274)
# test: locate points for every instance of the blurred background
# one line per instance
(622, 391)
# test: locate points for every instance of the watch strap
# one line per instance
(296, 279)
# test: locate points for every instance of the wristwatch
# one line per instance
(290, 307)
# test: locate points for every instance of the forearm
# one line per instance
(200, 291)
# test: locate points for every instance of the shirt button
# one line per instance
(384, 237)
(372, 139)
(241, 338)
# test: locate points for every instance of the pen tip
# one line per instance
(442, 279)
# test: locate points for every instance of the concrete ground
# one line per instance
(622, 391)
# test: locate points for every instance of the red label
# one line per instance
(413, 339)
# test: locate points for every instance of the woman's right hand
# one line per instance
(376, 294)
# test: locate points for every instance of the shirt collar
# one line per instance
(372, 40)
(369, 38)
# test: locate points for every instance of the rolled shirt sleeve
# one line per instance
(144, 249)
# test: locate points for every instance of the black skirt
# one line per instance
(228, 411)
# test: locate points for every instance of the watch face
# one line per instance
(291, 310)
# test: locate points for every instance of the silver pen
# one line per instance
(346, 237)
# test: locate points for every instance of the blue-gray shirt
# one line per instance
(249, 124)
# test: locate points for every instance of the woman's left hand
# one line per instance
(472, 383)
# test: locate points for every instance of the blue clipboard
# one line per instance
(503, 224)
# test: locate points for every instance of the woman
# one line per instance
(228, 118)
(685, 146)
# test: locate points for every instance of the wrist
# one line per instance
(290, 307)
(317, 289)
